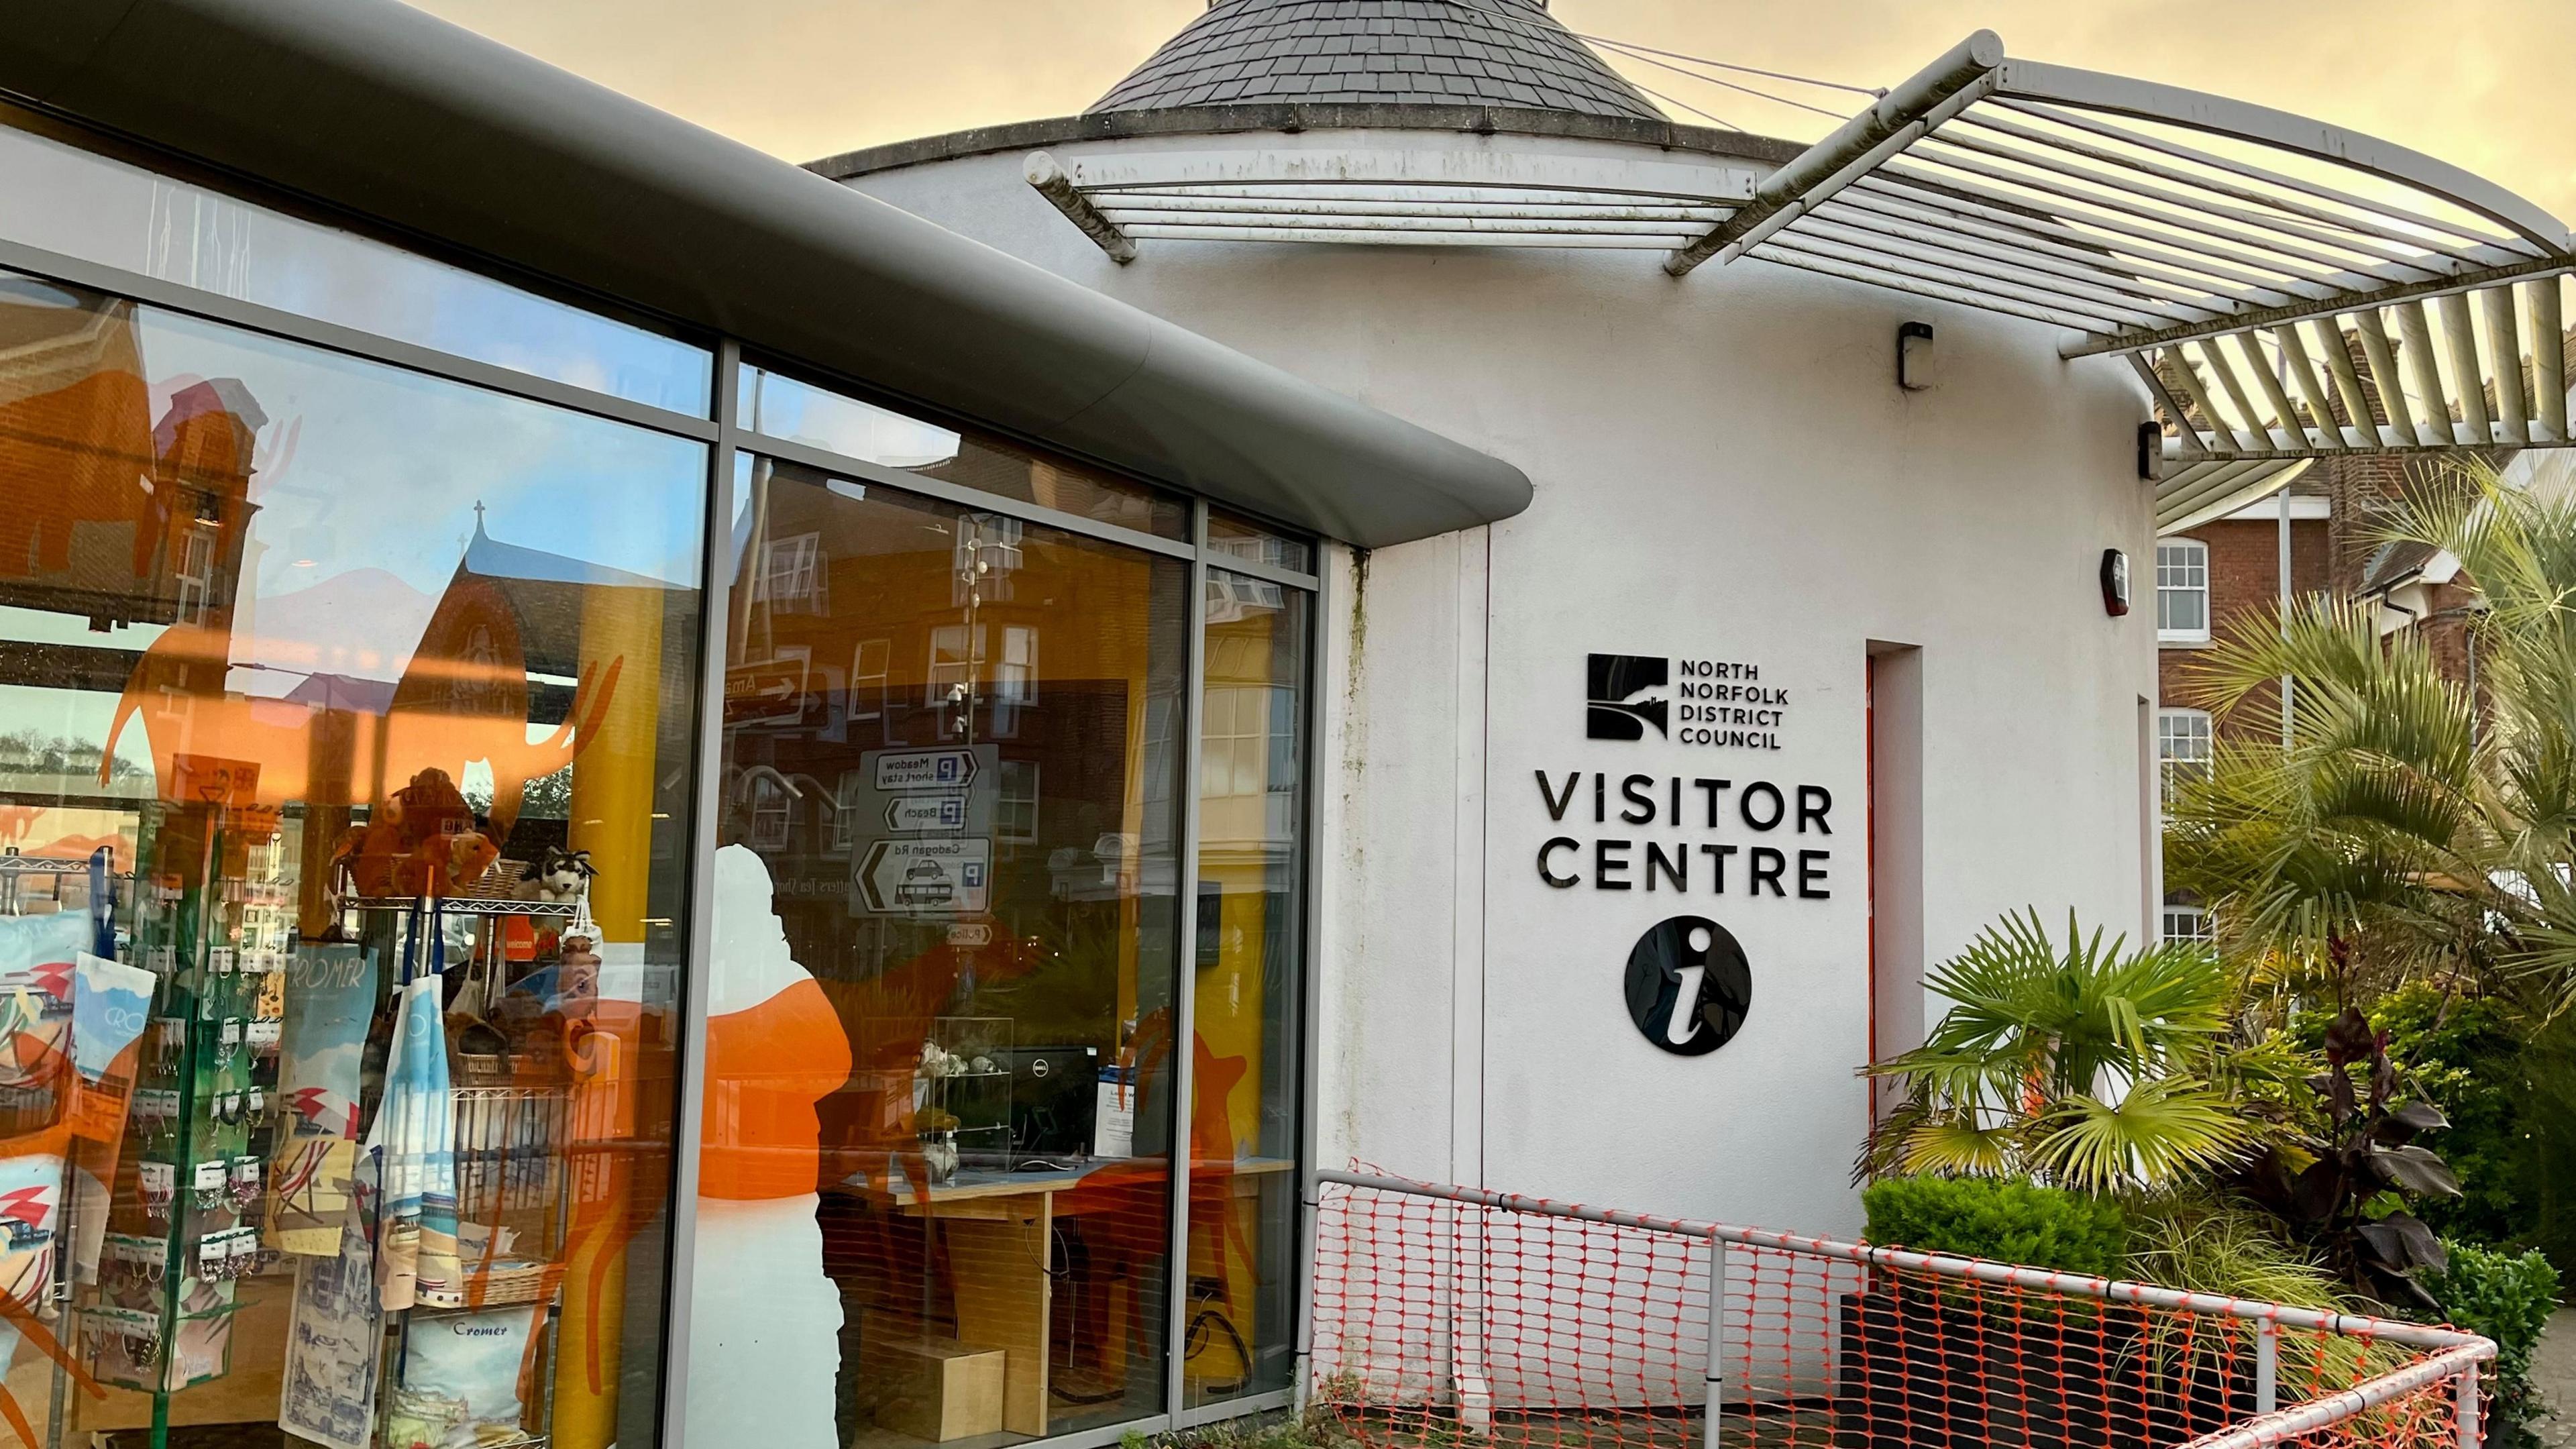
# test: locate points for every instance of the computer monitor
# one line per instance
(1053, 1101)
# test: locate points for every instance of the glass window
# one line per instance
(846, 802)
(2182, 591)
(2182, 746)
(791, 576)
(775, 405)
(293, 642)
(56, 195)
(1239, 1307)
(2186, 921)
(938, 1126)
(1241, 538)
(1017, 819)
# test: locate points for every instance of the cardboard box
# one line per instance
(935, 1389)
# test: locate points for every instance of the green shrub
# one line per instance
(2509, 1088)
(2010, 1222)
(2505, 1296)
(2548, 1117)
(2464, 1055)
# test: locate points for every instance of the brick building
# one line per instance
(2218, 577)
(2214, 580)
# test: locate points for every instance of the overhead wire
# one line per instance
(1687, 106)
(1781, 75)
(1639, 53)
(1649, 55)
(1551, 34)
(1711, 116)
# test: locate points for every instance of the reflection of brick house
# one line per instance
(859, 637)
(117, 517)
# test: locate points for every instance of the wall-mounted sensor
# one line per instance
(2151, 451)
(1914, 356)
(2115, 582)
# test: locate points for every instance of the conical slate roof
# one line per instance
(1386, 52)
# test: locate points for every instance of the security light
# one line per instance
(1914, 356)
(2115, 582)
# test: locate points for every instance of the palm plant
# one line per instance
(2411, 824)
(2081, 1064)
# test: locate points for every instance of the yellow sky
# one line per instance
(2481, 83)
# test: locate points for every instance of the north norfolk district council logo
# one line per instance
(1609, 682)
(1689, 985)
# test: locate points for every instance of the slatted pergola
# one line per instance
(2286, 290)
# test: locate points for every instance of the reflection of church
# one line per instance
(126, 516)
(517, 669)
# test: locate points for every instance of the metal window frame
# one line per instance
(1203, 559)
(715, 614)
(346, 341)
(726, 441)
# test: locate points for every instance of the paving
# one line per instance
(2553, 1368)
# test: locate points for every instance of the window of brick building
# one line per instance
(2182, 745)
(2186, 921)
(2182, 591)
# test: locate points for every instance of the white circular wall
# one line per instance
(1727, 472)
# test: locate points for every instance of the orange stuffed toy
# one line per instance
(421, 842)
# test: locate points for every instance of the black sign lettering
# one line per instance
(1556, 803)
(1763, 867)
(1759, 788)
(1602, 865)
(1641, 809)
(1813, 803)
(1811, 875)
(1561, 842)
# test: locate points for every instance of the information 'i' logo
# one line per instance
(1689, 985)
(1610, 683)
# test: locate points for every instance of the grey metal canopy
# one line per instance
(382, 111)
(2267, 275)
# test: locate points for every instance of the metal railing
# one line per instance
(1435, 1309)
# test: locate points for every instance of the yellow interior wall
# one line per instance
(612, 818)
(1230, 996)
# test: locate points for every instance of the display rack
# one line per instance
(17, 870)
(188, 1231)
(470, 906)
(959, 1092)
(198, 1121)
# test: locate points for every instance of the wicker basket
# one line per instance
(507, 1281)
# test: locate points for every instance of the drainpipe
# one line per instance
(2284, 571)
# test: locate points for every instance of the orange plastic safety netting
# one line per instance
(1436, 1319)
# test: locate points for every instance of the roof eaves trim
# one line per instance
(1292, 118)
(379, 110)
